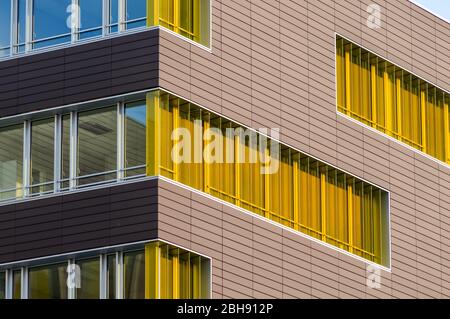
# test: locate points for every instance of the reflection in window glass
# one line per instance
(17, 284)
(2, 285)
(11, 161)
(134, 275)
(50, 22)
(42, 149)
(136, 13)
(90, 279)
(5, 25)
(21, 18)
(97, 145)
(135, 127)
(65, 151)
(111, 277)
(91, 18)
(48, 282)
(113, 16)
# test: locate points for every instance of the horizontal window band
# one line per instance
(391, 100)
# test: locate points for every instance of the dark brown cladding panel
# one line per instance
(81, 73)
(84, 220)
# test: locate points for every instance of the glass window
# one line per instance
(113, 16)
(134, 275)
(97, 145)
(11, 162)
(111, 277)
(21, 18)
(135, 132)
(42, 151)
(91, 18)
(51, 22)
(65, 151)
(17, 284)
(136, 13)
(48, 282)
(5, 28)
(90, 279)
(2, 285)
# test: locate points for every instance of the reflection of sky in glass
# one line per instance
(90, 13)
(136, 9)
(5, 17)
(136, 113)
(50, 18)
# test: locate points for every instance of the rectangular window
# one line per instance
(89, 287)
(11, 162)
(392, 100)
(42, 156)
(21, 25)
(298, 191)
(111, 282)
(97, 146)
(183, 275)
(135, 13)
(5, 28)
(135, 132)
(113, 23)
(189, 18)
(51, 22)
(17, 284)
(91, 18)
(2, 285)
(48, 282)
(65, 151)
(134, 275)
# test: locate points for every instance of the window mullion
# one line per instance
(26, 158)
(119, 275)
(57, 153)
(103, 275)
(24, 283)
(122, 15)
(9, 283)
(12, 30)
(74, 20)
(29, 26)
(73, 150)
(120, 141)
(105, 17)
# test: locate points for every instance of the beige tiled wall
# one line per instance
(272, 65)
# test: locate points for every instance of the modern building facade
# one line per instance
(224, 149)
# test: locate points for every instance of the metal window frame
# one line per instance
(26, 166)
(120, 141)
(73, 157)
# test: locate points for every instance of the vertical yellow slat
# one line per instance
(373, 73)
(196, 20)
(423, 101)
(387, 102)
(176, 15)
(446, 131)
(152, 132)
(176, 124)
(152, 12)
(267, 185)
(347, 83)
(176, 276)
(206, 165)
(237, 171)
(152, 271)
(323, 206)
(398, 87)
(350, 216)
(296, 193)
